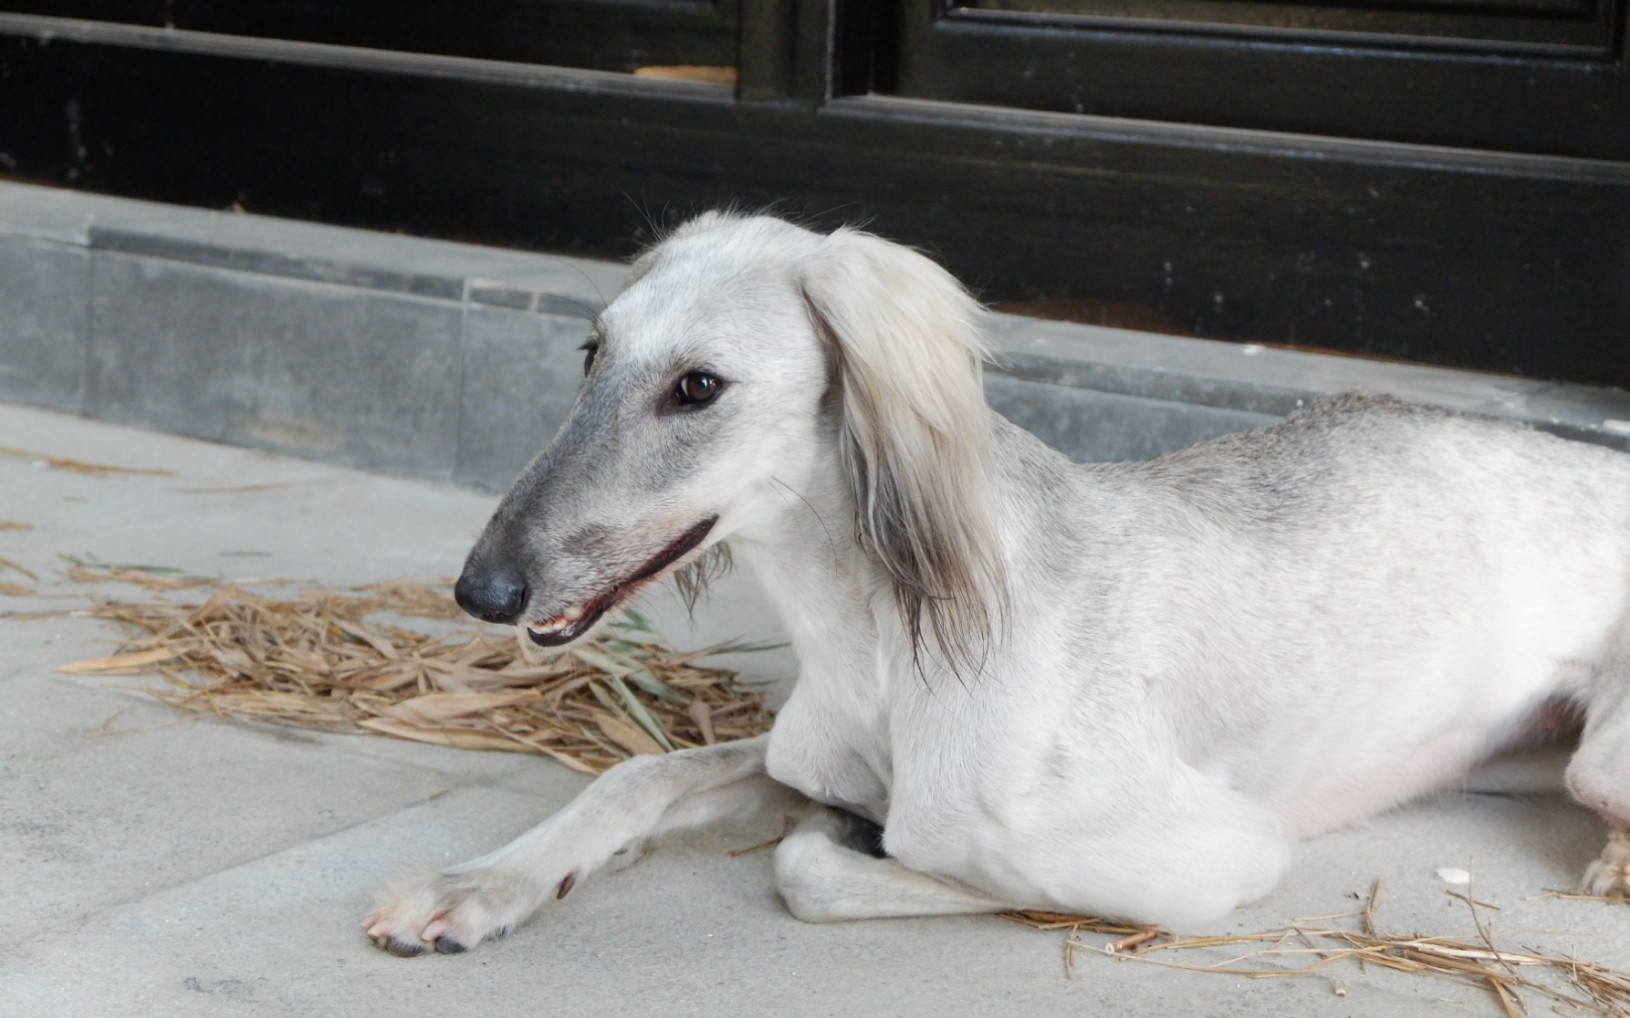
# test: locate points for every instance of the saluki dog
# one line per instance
(1116, 689)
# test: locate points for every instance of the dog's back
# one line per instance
(1362, 602)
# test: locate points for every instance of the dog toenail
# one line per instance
(403, 948)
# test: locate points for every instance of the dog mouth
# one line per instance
(580, 618)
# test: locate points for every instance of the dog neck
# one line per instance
(831, 738)
(831, 595)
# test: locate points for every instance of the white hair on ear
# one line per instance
(916, 433)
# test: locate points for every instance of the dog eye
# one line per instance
(589, 350)
(696, 388)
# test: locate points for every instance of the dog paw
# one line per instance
(1609, 875)
(451, 913)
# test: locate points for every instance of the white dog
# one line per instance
(1116, 689)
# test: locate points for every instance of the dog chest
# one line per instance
(834, 749)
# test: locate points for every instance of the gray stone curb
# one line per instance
(454, 362)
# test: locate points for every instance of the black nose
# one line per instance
(492, 595)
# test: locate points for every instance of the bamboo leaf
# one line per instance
(624, 667)
(456, 737)
(640, 714)
(435, 708)
(119, 662)
(627, 736)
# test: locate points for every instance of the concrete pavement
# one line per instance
(157, 863)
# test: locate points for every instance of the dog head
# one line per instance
(749, 358)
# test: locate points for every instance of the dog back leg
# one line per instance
(828, 869)
(1536, 761)
(1599, 774)
(458, 908)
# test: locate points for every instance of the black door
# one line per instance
(1440, 180)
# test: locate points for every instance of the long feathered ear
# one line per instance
(915, 434)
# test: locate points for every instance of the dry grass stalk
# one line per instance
(79, 466)
(15, 525)
(151, 581)
(1584, 986)
(1367, 917)
(1038, 920)
(150, 577)
(7, 565)
(326, 661)
(234, 489)
(1606, 899)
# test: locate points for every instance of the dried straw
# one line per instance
(326, 660)
(79, 466)
(1509, 976)
(7, 565)
(150, 577)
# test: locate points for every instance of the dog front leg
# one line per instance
(827, 870)
(457, 909)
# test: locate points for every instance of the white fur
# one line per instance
(1132, 686)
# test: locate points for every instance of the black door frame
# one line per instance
(1504, 261)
